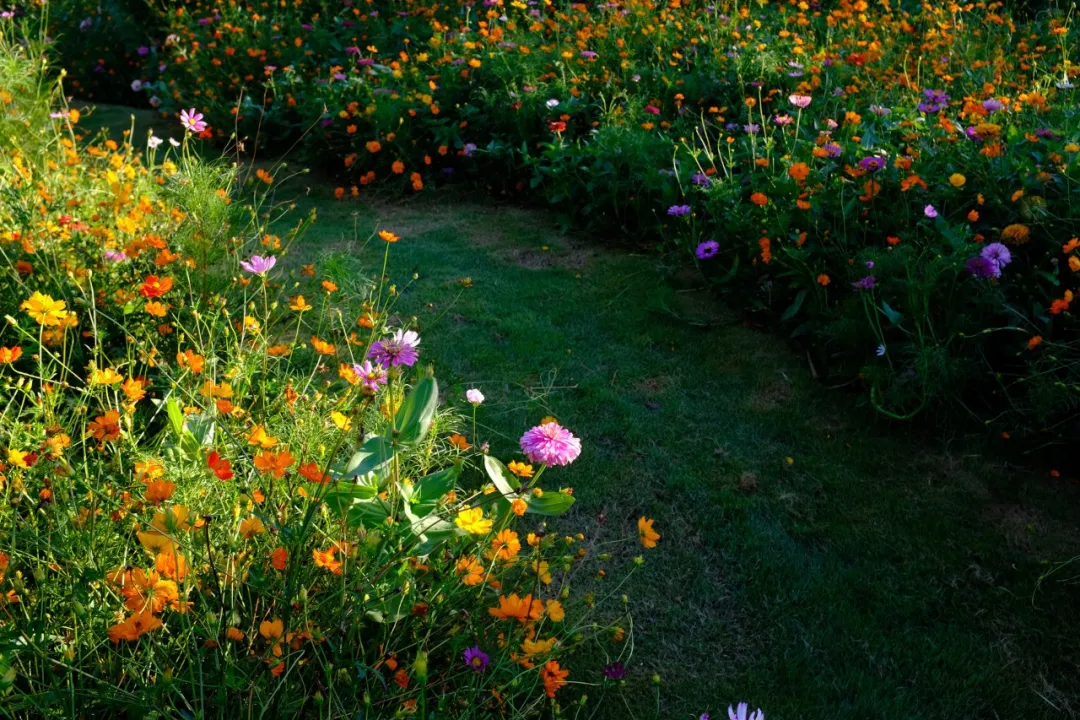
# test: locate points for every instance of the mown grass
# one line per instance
(813, 562)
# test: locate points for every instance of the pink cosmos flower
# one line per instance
(800, 101)
(371, 376)
(192, 120)
(258, 264)
(551, 444)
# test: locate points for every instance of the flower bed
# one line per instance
(228, 483)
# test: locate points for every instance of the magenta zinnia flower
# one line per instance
(258, 264)
(397, 350)
(551, 444)
(192, 120)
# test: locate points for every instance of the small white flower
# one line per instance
(154, 141)
(880, 350)
(136, 85)
(552, 103)
(174, 142)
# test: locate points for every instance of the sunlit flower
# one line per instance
(192, 120)
(397, 350)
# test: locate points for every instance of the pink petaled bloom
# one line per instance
(192, 120)
(551, 444)
(800, 101)
(397, 350)
(930, 211)
(652, 109)
(371, 376)
(258, 264)
(474, 396)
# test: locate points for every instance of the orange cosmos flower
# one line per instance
(279, 558)
(106, 427)
(760, 199)
(554, 677)
(388, 236)
(322, 347)
(274, 463)
(134, 627)
(646, 534)
(325, 559)
(10, 355)
(154, 287)
(522, 609)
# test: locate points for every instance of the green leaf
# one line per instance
(341, 496)
(550, 504)
(894, 317)
(367, 513)
(416, 413)
(372, 456)
(505, 481)
(794, 306)
(176, 416)
(431, 487)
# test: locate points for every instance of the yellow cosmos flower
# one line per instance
(44, 310)
(472, 520)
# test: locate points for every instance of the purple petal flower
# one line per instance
(866, 283)
(259, 265)
(982, 268)
(930, 211)
(998, 253)
(707, 249)
(371, 376)
(615, 671)
(476, 659)
(678, 210)
(397, 350)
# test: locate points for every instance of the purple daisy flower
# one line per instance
(615, 671)
(997, 253)
(872, 163)
(192, 120)
(866, 283)
(397, 350)
(741, 713)
(982, 268)
(476, 659)
(371, 376)
(259, 265)
(678, 210)
(707, 249)
(551, 444)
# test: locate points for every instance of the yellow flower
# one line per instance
(299, 304)
(520, 469)
(45, 310)
(472, 520)
(538, 647)
(341, 420)
(105, 377)
(957, 180)
(555, 611)
(18, 458)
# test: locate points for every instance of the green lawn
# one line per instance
(814, 561)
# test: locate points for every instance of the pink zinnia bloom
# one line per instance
(474, 396)
(397, 350)
(551, 444)
(258, 264)
(800, 101)
(192, 120)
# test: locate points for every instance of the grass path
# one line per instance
(809, 563)
(812, 562)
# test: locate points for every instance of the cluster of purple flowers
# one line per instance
(935, 101)
(990, 262)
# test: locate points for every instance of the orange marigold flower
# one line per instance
(1034, 342)
(1016, 234)
(823, 280)
(799, 171)
(398, 167)
(158, 491)
(760, 199)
